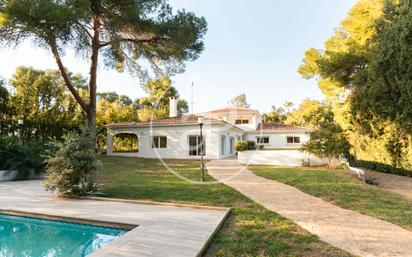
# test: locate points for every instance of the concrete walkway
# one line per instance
(162, 230)
(356, 233)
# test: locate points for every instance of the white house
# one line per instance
(179, 136)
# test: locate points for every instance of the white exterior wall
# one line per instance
(177, 141)
(277, 140)
(278, 158)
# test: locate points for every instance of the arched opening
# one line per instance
(125, 143)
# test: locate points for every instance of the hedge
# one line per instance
(380, 167)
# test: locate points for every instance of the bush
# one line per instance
(328, 142)
(251, 145)
(305, 163)
(71, 166)
(26, 158)
(245, 145)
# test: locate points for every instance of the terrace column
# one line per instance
(109, 143)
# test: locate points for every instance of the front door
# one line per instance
(196, 147)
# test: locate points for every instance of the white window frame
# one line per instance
(293, 139)
(263, 137)
(158, 138)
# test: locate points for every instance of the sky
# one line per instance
(251, 47)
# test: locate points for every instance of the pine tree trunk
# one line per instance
(91, 114)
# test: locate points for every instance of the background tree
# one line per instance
(277, 115)
(239, 101)
(4, 109)
(125, 33)
(156, 104)
(40, 98)
(367, 81)
(310, 113)
(288, 106)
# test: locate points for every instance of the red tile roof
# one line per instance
(179, 120)
(233, 110)
(278, 127)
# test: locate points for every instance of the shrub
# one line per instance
(305, 163)
(245, 145)
(71, 166)
(241, 146)
(251, 145)
(26, 158)
(328, 142)
(370, 180)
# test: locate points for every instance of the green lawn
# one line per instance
(343, 189)
(250, 230)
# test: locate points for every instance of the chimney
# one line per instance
(172, 107)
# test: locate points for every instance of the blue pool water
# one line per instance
(32, 237)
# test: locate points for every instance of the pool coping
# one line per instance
(69, 219)
(133, 228)
(148, 202)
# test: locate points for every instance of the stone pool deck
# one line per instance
(161, 230)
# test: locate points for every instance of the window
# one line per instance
(159, 142)
(196, 147)
(241, 121)
(293, 140)
(262, 140)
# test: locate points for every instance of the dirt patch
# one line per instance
(398, 184)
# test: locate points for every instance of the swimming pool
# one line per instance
(34, 237)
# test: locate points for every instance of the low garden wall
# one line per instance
(10, 175)
(278, 158)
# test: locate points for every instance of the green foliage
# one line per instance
(305, 163)
(276, 115)
(40, 98)
(133, 30)
(156, 104)
(241, 146)
(71, 165)
(328, 142)
(370, 180)
(245, 145)
(375, 112)
(24, 158)
(310, 113)
(389, 71)
(239, 101)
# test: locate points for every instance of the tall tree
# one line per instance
(239, 101)
(42, 100)
(156, 104)
(125, 33)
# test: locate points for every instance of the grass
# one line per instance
(345, 190)
(250, 230)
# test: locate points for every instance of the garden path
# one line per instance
(356, 233)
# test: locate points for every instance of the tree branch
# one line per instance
(132, 40)
(66, 78)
